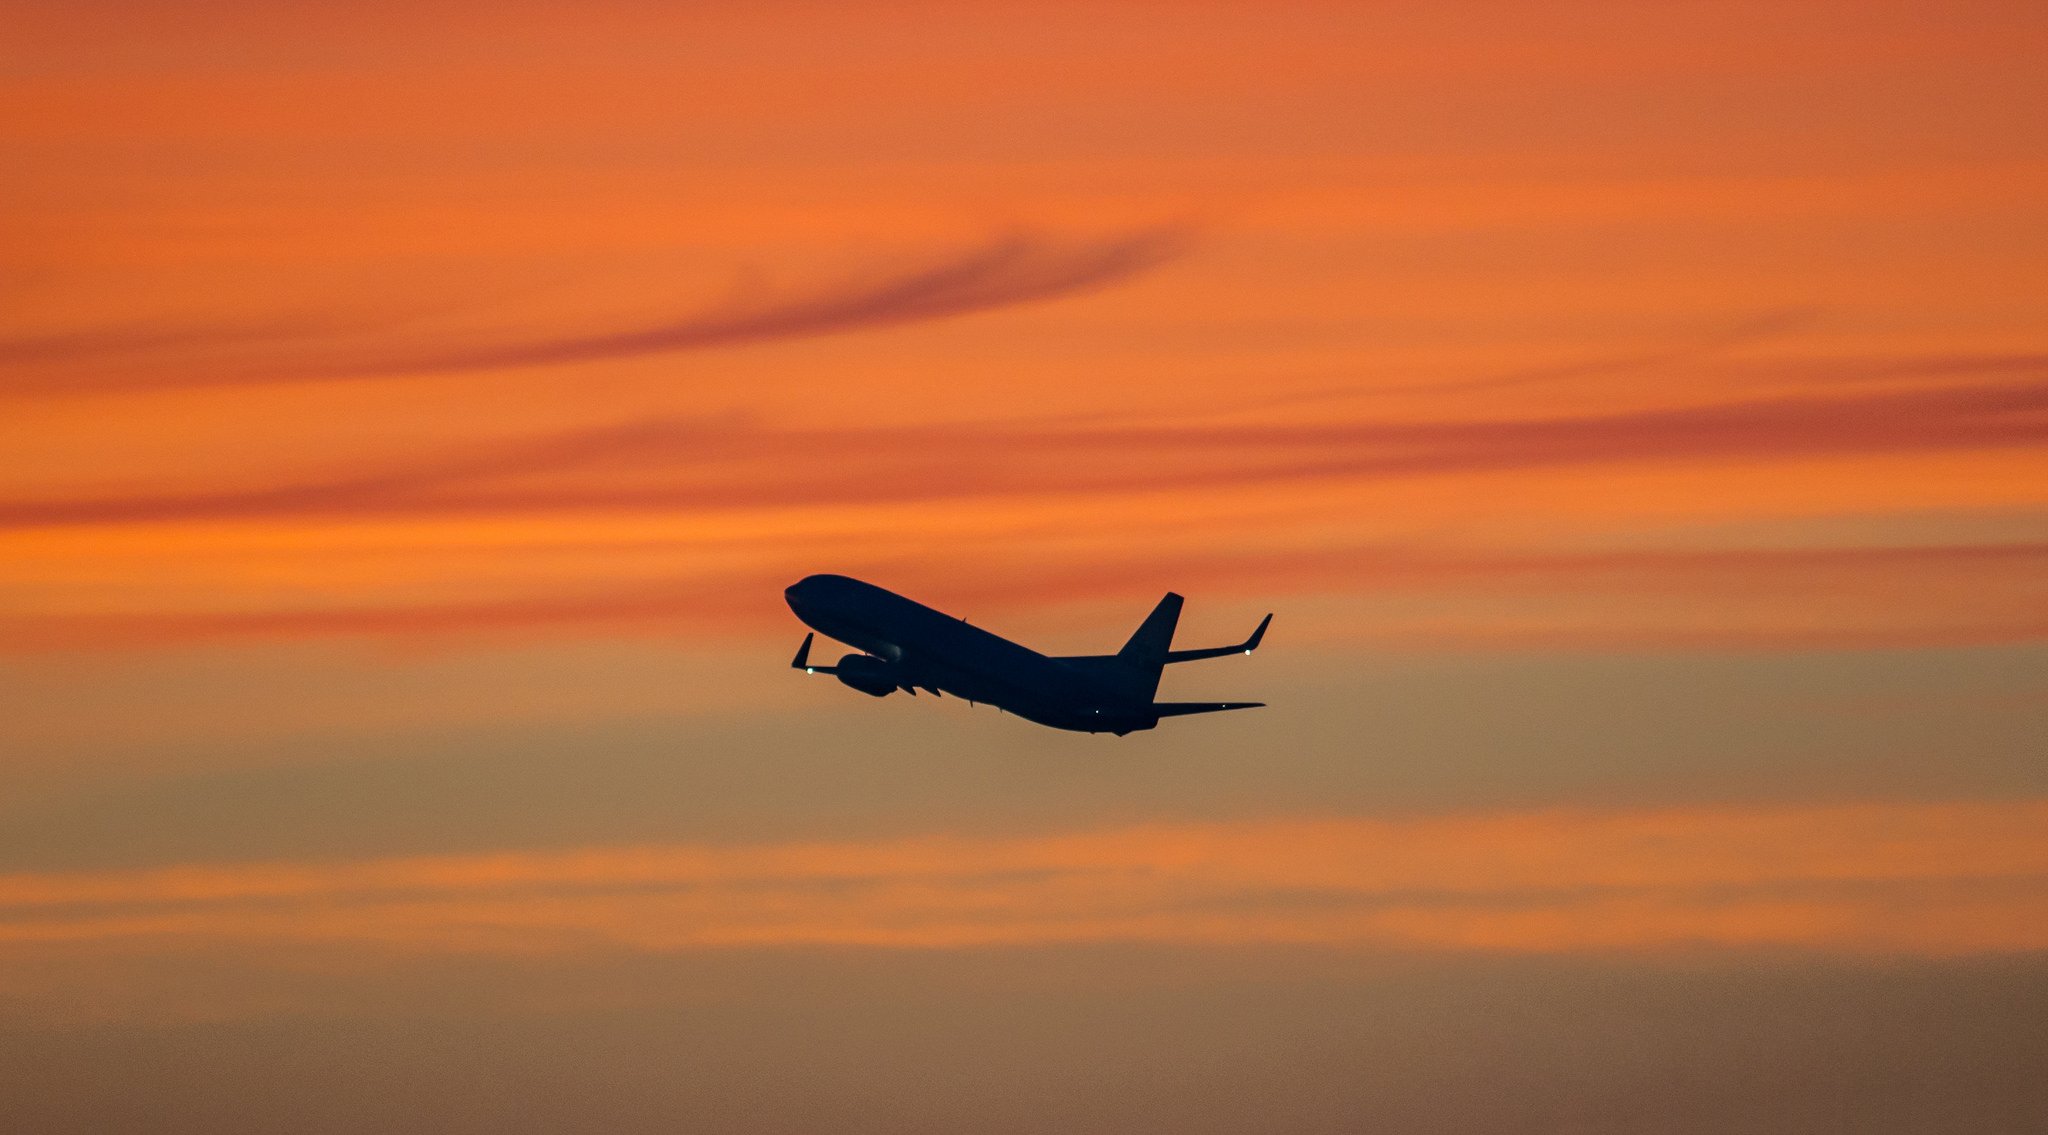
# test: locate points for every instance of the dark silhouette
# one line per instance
(910, 647)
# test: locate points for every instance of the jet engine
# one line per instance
(873, 676)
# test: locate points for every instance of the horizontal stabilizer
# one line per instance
(1182, 708)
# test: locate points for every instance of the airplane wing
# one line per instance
(1182, 708)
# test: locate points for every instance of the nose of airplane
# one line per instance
(812, 590)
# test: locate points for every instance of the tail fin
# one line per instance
(1144, 657)
(1154, 637)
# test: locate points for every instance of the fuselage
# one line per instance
(933, 650)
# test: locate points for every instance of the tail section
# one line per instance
(1145, 653)
(1154, 637)
(1133, 672)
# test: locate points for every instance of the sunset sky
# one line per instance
(1636, 415)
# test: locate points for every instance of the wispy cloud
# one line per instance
(1978, 591)
(1755, 598)
(1766, 325)
(714, 465)
(1015, 270)
(1018, 269)
(1902, 879)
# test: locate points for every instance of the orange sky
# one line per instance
(410, 414)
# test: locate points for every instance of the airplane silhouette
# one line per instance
(910, 647)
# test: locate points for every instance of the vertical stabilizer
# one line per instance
(1146, 651)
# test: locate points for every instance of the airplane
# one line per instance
(908, 646)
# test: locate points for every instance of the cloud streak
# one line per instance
(1018, 269)
(1783, 598)
(718, 465)
(1920, 879)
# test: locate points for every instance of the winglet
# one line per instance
(1245, 647)
(803, 655)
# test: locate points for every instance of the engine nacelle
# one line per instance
(873, 676)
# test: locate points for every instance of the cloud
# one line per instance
(1916, 879)
(714, 465)
(1845, 597)
(1763, 326)
(1754, 598)
(1018, 269)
